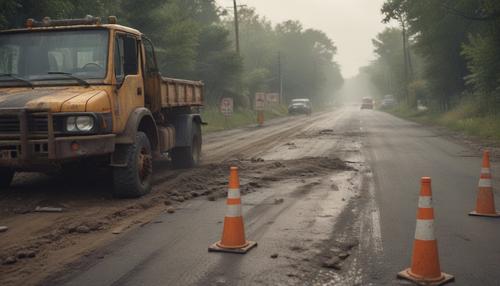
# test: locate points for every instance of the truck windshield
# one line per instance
(45, 55)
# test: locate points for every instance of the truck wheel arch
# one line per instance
(147, 125)
(142, 120)
(183, 124)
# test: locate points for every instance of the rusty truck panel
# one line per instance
(178, 92)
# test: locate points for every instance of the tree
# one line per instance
(387, 71)
(438, 37)
(193, 40)
(217, 64)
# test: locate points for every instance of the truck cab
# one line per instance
(78, 90)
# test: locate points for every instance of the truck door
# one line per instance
(152, 77)
(128, 76)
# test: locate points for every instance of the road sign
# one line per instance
(227, 106)
(260, 101)
(272, 98)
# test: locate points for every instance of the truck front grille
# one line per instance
(10, 124)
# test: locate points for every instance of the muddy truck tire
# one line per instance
(135, 179)
(6, 176)
(188, 157)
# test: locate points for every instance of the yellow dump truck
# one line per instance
(78, 91)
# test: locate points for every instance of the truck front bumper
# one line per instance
(24, 148)
(64, 149)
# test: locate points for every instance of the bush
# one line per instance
(241, 117)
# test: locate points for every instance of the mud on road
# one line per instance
(41, 243)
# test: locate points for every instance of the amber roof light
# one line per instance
(29, 23)
(112, 20)
(47, 22)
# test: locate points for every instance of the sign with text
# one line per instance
(260, 101)
(272, 98)
(227, 106)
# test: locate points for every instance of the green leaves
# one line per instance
(304, 56)
(193, 41)
(456, 42)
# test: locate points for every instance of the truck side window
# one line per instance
(130, 55)
(125, 56)
(119, 58)
(150, 57)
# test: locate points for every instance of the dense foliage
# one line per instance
(194, 39)
(306, 56)
(453, 47)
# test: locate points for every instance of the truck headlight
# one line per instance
(71, 124)
(84, 123)
(79, 123)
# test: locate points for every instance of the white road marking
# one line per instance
(375, 217)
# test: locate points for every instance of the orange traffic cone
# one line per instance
(425, 269)
(260, 118)
(233, 235)
(485, 203)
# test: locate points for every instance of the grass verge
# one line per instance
(466, 118)
(240, 118)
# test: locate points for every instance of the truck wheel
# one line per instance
(6, 176)
(135, 180)
(188, 157)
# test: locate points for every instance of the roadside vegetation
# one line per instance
(466, 118)
(195, 39)
(240, 118)
(442, 55)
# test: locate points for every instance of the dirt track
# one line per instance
(91, 217)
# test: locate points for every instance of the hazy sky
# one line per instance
(351, 24)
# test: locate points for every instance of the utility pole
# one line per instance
(408, 54)
(236, 28)
(405, 55)
(280, 78)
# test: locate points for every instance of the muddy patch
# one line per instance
(90, 212)
(331, 132)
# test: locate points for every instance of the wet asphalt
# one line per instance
(173, 249)
(400, 153)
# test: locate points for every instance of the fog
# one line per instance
(351, 24)
(355, 88)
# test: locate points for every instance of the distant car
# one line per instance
(367, 103)
(388, 102)
(421, 106)
(300, 106)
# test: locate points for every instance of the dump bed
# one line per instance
(179, 92)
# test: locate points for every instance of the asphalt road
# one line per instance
(366, 208)
(399, 153)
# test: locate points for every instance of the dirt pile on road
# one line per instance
(254, 173)
(89, 212)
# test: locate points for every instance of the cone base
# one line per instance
(216, 248)
(474, 213)
(445, 278)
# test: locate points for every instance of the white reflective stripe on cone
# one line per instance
(425, 202)
(233, 211)
(425, 229)
(485, 183)
(485, 170)
(233, 194)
